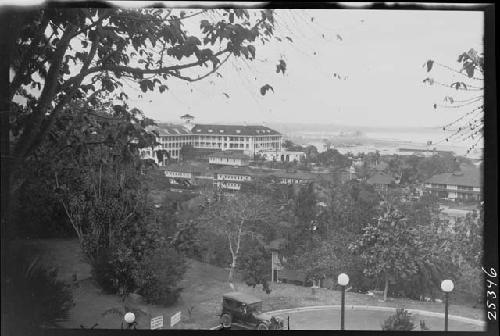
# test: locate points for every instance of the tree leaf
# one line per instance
(430, 63)
(265, 88)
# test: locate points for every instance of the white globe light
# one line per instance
(447, 286)
(129, 317)
(343, 279)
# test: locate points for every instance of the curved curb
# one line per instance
(358, 307)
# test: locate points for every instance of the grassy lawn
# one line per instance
(201, 298)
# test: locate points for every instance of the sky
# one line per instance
(379, 56)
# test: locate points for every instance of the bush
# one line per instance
(254, 264)
(401, 320)
(157, 276)
(469, 286)
(32, 296)
(214, 249)
(38, 214)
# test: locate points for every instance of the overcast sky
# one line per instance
(378, 54)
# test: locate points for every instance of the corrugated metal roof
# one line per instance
(296, 175)
(237, 171)
(470, 177)
(237, 130)
(185, 168)
(169, 129)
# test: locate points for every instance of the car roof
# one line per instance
(242, 297)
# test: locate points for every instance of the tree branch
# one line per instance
(19, 76)
(139, 71)
(49, 121)
(46, 96)
(189, 79)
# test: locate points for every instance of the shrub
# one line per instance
(469, 286)
(401, 320)
(215, 249)
(157, 276)
(33, 297)
(38, 214)
(254, 264)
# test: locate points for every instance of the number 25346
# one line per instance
(491, 294)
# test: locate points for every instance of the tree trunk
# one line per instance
(234, 255)
(231, 272)
(386, 287)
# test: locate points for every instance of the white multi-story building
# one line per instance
(248, 139)
(282, 155)
(229, 178)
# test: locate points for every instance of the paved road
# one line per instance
(329, 319)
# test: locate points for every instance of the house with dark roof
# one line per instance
(380, 181)
(462, 185)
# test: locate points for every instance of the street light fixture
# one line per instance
(130, 319)
(446, 287)
(342, 280)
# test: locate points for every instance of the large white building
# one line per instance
(248, 139)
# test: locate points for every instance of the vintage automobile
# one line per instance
(245, 311)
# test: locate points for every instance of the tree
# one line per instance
(291, 146)
(59, 55)
(469, 124)
(234, 217)
(255, 263)
(161, 155)
(436, 164)
(395, 249)
(97, 181)
(350, 206)
(332, 158)
(311, 153)
(469, 237)
(188, 152)
(69, 53)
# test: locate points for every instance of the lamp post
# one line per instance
(130, 319)
(342, 280)
(447, 287)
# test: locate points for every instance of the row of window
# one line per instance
(233, 177)
(178, 174)
(449, 186)
(219, 138)
(176, 138)
(172, 145)
(225, 160)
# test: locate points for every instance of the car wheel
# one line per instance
(225, 320)
(262, 326)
